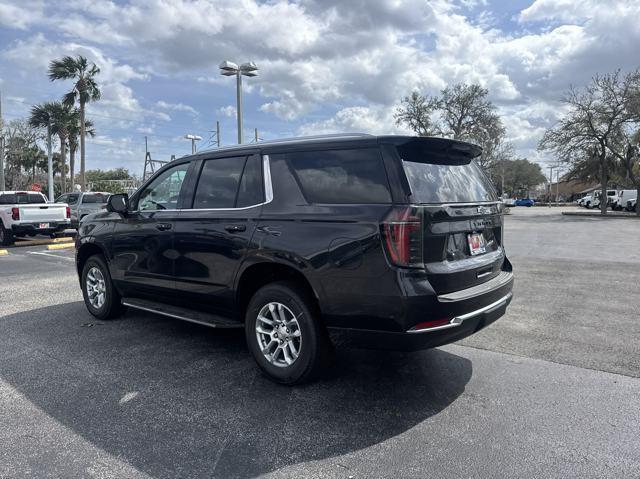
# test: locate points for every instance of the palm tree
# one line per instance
(74, 135)
(85, 89)
(42, 116)
(63, 119)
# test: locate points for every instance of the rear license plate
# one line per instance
(477, 244)
(43, 226)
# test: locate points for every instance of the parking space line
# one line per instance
(61, 246)
(52, 255)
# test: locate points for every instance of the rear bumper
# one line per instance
(459, 327)
(34, 228)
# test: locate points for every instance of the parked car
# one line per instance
(525, 202)
(619, 201)
(585, 200)
(389, 242)
(631, 204)
(83, 204)
(27, 213)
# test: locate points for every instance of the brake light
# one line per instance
(402, 236)
(68, 212)
(15, 214)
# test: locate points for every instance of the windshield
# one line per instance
(439, 183)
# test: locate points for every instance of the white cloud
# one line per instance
(330, 65)
(176, 107)
(228, 111)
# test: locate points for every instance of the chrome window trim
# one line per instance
(268, 193)
(458, 320)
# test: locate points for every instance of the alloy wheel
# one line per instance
(279, 335)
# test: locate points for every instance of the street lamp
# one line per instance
(193, 139)
(229, 69)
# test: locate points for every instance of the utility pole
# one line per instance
(218, 133)
(557, 185)
(1, 147)
(256, 135)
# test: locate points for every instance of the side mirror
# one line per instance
(118, 203)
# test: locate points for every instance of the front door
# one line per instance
(142, 246)
(213, 236)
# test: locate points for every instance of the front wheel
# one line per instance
(100, 297)
(285, 335)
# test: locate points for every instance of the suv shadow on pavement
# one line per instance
(176, 399)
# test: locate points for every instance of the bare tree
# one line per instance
(416, 112)
(597, 114)
(461, 112)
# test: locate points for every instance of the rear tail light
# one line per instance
(15, 214)
(68, 212)
(402, 237)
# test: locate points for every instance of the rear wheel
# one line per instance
(285, 335)
(6, 236)
(100, 297)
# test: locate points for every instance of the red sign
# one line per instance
(36, 187)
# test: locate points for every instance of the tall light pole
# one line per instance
(193, 139)
(229, 69)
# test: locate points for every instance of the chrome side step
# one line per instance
(184, 314)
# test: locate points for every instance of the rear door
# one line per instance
(214, 234)
(460, 213)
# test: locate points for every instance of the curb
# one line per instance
(598, 215)
(61, 246)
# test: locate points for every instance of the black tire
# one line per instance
(6, 236)
(111, 307)
(315, 350)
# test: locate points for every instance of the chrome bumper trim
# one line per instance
(458, 320)
(499, 281)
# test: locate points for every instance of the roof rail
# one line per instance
(299, 139)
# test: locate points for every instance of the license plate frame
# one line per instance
(477, 244)
(43, 226)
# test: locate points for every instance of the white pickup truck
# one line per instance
(27, 213)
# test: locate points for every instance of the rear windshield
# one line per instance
(444, 176)
(95, 198)
(22, 198)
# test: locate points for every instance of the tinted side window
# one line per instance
(73, 198)
(341, 176)
(163, 192)
(62, 199)
(218, 183)
(7, 199)
(250, 192)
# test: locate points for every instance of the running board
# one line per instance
(185, 314)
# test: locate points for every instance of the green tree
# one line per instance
(85, 89)
(521, 176)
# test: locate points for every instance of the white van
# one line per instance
(621, 199)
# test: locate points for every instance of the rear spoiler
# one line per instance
(435, 150)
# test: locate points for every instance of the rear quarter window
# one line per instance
(348, 176)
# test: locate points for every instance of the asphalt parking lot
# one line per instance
(550, 390)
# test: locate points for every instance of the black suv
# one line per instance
(387, 242)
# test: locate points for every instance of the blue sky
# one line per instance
(325, 65)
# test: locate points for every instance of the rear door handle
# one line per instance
(235, 228)
(163, 226)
